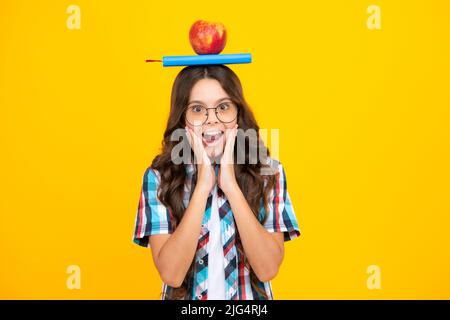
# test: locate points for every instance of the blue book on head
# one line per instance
(199, 59)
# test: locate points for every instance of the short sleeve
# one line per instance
(152, 217)
(281, 216)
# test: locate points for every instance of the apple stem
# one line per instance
(152, 60)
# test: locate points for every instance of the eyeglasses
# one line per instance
(197, 114)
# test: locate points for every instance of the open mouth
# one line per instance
(211, 138)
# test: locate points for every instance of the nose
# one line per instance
(212, 117)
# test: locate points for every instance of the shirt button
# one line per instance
(200, 261)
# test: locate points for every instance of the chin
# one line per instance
(214, 153)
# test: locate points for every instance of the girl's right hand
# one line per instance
(206, 177)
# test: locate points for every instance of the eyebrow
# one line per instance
(198, 101)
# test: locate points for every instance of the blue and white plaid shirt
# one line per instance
(154, 218)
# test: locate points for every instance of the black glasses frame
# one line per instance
(216, 112)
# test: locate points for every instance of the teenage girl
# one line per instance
(216, 224)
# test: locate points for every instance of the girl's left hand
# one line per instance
(226, 177)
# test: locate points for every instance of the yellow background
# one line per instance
(364, 131)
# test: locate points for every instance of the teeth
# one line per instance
(212, 133)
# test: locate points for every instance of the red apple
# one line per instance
(207, 37)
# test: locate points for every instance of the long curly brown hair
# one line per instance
(255, 186)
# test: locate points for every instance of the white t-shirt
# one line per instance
(216, 271)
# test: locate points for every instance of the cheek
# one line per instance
(231, 125)
(189, 126)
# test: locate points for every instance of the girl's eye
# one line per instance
(224, 107)
(197, 109)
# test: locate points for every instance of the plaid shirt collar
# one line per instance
(190, 168)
